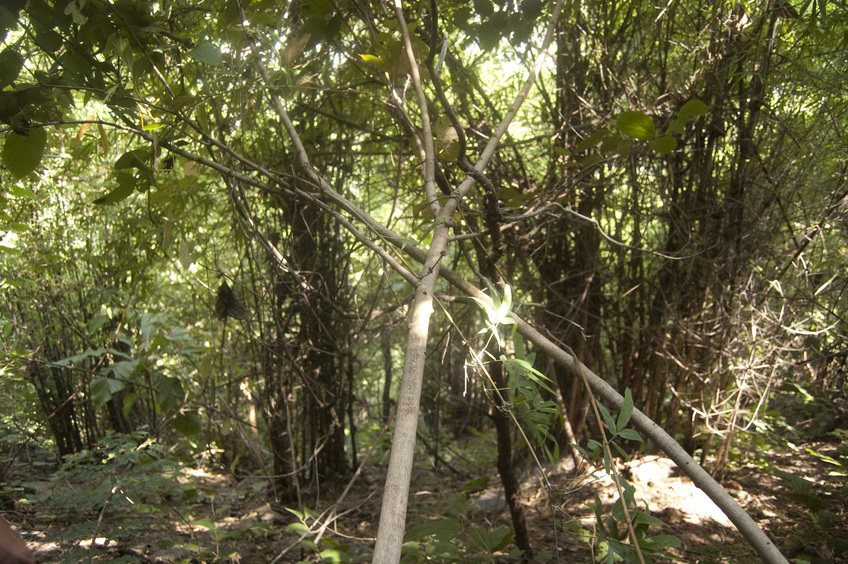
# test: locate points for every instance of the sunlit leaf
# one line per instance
(519, 368)
(487, 308)
(636, 124)
(693, 108)
(187, 256)
(73, 10)
(335, 554)
(447, 139)
(20, 191)
(505, 308)
(294, 49)
(205, 523)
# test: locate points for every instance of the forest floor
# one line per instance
(232, 521)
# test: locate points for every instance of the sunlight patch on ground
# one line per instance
(659, 483)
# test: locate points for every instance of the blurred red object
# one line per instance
(13, 549)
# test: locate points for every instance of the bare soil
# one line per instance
(233, 520)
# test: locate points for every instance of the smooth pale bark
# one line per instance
(390, 532)
(396, 491)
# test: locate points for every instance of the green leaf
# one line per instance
(187, 256)
(607, 417)
(73, 10)
(188, 423)
(646, 518)
(136, 158)
(9, 15)
(302, 516)
(124, 369)
(799, 484)
(518, 343)
(637, 124)
(630, 435)
(48, 40)
(614, 145)
(661, 541)
(664, 144)
(19, 191)
(439, 527)
(126, 186)
(207, 52)
(489, 35)
(97, 322)
(447, 139)
(620, 450)
(693, 108)
(82, 356)
(206, 523)
(824, 457)
(168, 393)
(11, 64)
(102, 389)
(484, 8)
(493, 541)
(22, 153)
(626, 410)
(518, 367)
(334, 555)
(592, 140)
(589, 160)
(505, 306)
(371, 59)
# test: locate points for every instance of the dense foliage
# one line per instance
(209, 212)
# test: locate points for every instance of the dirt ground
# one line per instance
(233, 521)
